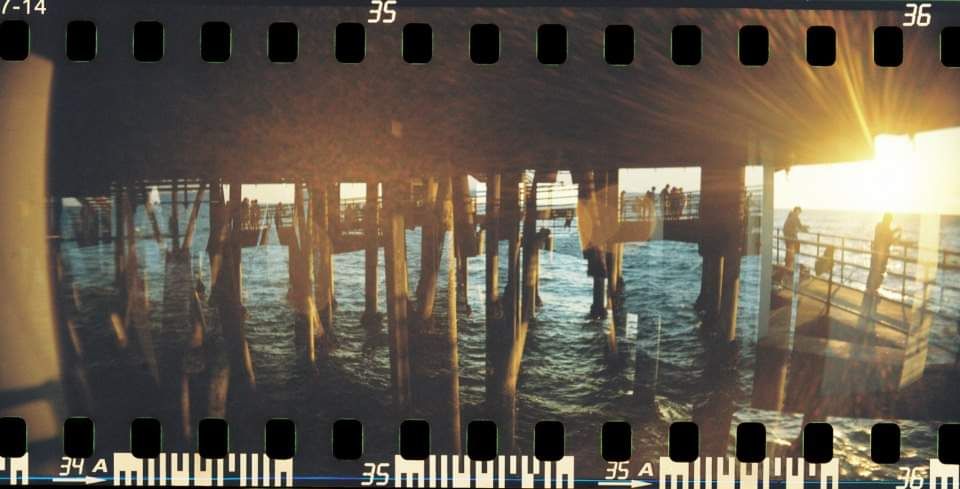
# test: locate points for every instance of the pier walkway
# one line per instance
(825, 326)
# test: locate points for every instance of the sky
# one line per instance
(919, 175)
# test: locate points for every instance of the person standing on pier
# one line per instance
(665, 201)
(681, 202)
(648, 203)
(791, 228)
(884, 236)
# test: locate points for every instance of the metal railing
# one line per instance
(854, 260)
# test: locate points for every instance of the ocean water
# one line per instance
(576, 370)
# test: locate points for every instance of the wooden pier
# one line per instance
(823, 318)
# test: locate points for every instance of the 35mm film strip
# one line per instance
(418, 243)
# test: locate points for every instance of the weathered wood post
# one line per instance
(226, 291)
(175, 215)
(301, 291)
(136, 316)
(508, 370)
(395, 255)
(322, 212)
(493, 316)
(531, 254)
(450, 343)
(194, 216)
(510, 217)
(591, 232)
(722, 223)
(371, 229)
(431, 239)
(334, 235)
(614, 250)
(466, 233)
(733, 253)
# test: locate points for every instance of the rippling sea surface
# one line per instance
(569, 371)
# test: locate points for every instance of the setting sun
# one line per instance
(907, 175)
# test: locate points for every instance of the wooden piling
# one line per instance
(306, 322)
(192, 223)
(510, 217)
(507, 372)
(175, 215)
(430, 242)
(395, 254)
(453, 384)
(466, 233)
(323, 212)
(722, 217)
(151, 215)
(493, 317)
(136, 317)
(371, 229)
(592, 239)
(323, 285)
(226, 291)
(614, 251)
(531, 255)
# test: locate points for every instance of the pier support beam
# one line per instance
(722, 217)
(450, 338)
(614, 251)
(431, 240)
(306, 322)
(591, 232)
(227, 288)
(175, 215)
(322, 213)
(371, 229)
(395, 255)
(493, 315)
(531, 255)
(466, 231)
(512, 334)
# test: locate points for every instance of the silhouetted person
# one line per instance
(883, 237)
(791, 228)
(665, 201)
(681, 202)
(649, 200)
